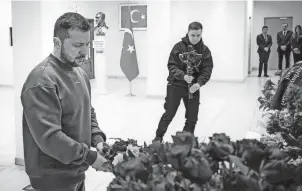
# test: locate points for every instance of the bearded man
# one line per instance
(59, 123)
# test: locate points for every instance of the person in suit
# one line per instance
(264, 42)
(284, 46)
(297, 44)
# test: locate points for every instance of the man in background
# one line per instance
(284, 47)
(177, 88)
(59, 123)
(264, 42)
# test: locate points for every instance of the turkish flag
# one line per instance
(128, 60)
(138, 16)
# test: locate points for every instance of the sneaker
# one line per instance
(259, 76)
(157, 140)
(266, 75)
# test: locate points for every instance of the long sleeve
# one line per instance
(207, 67)
(300, 43)
(279, 39)
(271, 42)
(261, 46)
(293, 42)
(174, 62)
(42, 110)
(290, 38)
(97, 135)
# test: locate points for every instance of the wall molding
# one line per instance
(123, 77)
(155, 96)
(214, 80)
(6, 86)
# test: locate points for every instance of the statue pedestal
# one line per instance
(100, 81)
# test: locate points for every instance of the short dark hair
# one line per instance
(71, 21)
(195, 26)
(265, 27)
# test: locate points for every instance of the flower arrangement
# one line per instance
(273, 163)
(186, 165)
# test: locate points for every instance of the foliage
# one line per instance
(268, 92)
(284, 126)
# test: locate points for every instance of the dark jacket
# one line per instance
(177, 69)
(296, 42)
(284, 40)
(59, 125)
(262, 43)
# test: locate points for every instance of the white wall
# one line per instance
(264, 9)
(33, 42)
(6, 63)
(26, 54)
(215, 16)
(114, 37)
(159, 46)
(224, 33)
(249, 40)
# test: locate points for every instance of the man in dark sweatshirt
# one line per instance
(178, 80)
(59, 123)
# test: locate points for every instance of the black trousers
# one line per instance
(174, 95)
(297, 57)
(263, 59)
(76, 187)
(281, 54)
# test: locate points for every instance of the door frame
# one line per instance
(250, 45)
(278, 17)
(91, 47)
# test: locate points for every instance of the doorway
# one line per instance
(274, 26)
(88, 65)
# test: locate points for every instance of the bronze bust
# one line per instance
(101, 27)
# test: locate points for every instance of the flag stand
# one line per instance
(130, 94)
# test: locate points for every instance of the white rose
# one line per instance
(117, 159)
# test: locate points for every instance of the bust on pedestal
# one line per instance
(100, 30)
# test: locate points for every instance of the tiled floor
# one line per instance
(225, 107)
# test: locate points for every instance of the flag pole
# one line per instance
(130, 82)
(130, 88)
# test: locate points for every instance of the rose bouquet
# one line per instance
(186, 165)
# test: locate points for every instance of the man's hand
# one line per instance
(296, 51)
(188, 79)
(283, 47)
(194, 88)
(102, 148)
(266, 49)
(101, 164)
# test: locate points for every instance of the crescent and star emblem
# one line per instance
(131, 15)
(131, 48)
